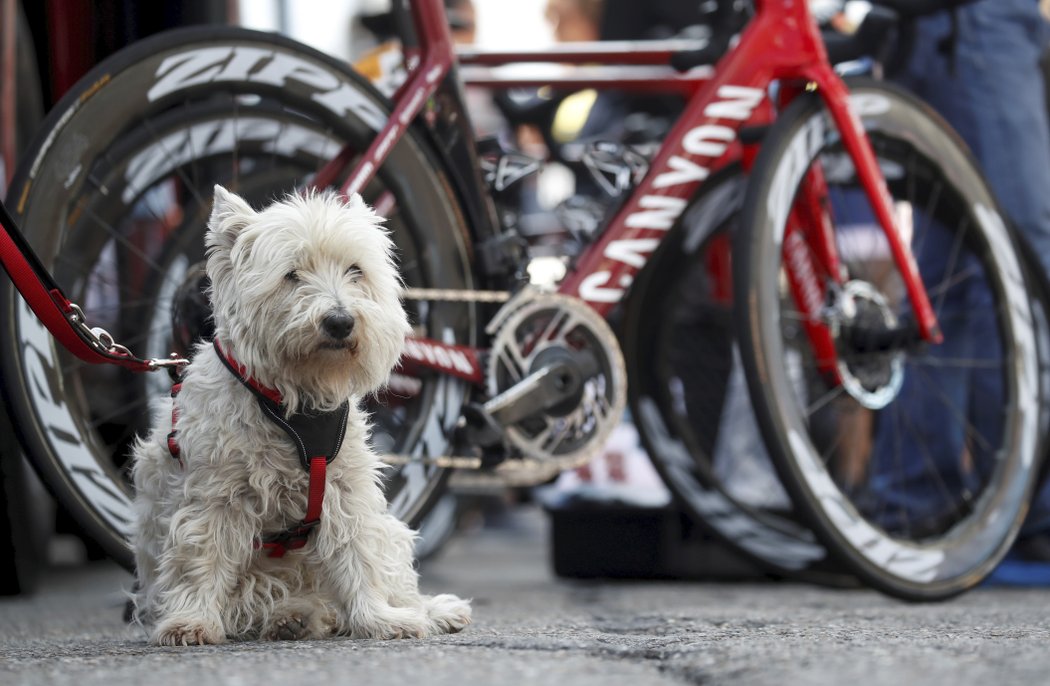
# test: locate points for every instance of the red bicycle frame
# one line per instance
(781, 44)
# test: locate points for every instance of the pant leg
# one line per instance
(930, 446)
(991, 90)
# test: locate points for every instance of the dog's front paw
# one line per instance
(398, 623)
(447, 613)
(390, 632)
(184, 633)
(291, 628)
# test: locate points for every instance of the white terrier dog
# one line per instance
(307, 312)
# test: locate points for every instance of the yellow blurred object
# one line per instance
(843, 24)
(383, 66)
(572, 115)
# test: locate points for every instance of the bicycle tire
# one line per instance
(678, 341)
(233, 100)
(835, 470)
(27, 514)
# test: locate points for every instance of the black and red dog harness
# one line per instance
(317, 437)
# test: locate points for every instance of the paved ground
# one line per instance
(532, 628)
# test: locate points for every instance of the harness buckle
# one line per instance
(292, 538)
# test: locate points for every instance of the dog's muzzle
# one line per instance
(338, 325)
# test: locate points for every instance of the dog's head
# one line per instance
(306, 294)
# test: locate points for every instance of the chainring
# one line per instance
(524, 333)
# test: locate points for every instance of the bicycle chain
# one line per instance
(512, 473)
(443, 461)
(456, 295)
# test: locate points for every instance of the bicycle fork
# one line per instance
(815, 274)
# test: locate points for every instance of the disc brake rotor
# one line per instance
(873, 379)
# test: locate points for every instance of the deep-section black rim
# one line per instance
(173, 136)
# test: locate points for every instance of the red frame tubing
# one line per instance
(8, 73)
(812, 262)
(584, 52)
(703, 140)
(436, 40)
(635, 66)
(836, 98)
(804, 273)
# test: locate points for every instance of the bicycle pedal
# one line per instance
(502, 167)
(614, 166)
(581, 216)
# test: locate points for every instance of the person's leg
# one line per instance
(990, 89)
(929, 444)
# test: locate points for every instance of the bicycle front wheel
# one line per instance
(913, 462)
(115, 195)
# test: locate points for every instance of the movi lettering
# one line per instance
(437, 356)
(660, 212)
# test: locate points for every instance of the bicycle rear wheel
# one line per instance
(114, 197)
(689, 398)
(914, 463)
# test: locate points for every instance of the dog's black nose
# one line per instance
(338, 324)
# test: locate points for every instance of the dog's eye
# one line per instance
(292, 276)
(354, 272)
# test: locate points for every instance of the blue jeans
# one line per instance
(938, 439)
(990, 89)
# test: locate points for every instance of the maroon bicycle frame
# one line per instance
(781, 44)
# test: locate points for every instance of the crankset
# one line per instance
(556, 383)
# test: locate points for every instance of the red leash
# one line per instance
(63, 319)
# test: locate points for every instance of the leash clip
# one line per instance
(105, 342)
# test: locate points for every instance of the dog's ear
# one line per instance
(355, 201)
(229, 215)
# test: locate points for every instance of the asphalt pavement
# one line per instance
(533, 628)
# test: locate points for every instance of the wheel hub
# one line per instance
(872, 377)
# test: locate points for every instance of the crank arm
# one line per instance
(532, 394)
(556, 384)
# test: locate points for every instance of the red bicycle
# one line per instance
(872, 276)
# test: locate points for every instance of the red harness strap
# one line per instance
(311, 434)
(293, 538)
(173, 445)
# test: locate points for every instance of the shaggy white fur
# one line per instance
(276, 275)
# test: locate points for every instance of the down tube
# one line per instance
(704, 139)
